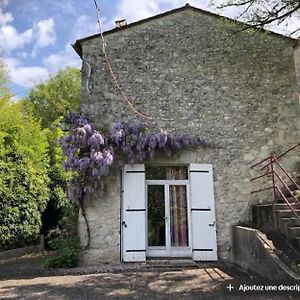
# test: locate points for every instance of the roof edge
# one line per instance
(77, 45)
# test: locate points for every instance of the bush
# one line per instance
(23, 176)
(67, 258)
(19, 211)
(65, 243)
(57, 184)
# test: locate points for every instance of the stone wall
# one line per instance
(197, 73)
(103, 214)
(297, 64)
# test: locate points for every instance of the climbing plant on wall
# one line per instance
(90, 154)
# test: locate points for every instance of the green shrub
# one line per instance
(67, 258)
(23, 176)
(66, 242)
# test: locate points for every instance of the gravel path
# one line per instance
(24, 279)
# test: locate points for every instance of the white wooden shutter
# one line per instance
(204, 238)
(134, 213)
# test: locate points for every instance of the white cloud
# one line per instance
(289, 27)
(10, 39)
(44, 34)
(64, 7)
(14, 98)
(84, 26)
(5, 18)
(136, 10)
(178, 3)
(286, 27)
(65, 58)
(141, 9)
(26, 77)
(22, 54)
(4, 2)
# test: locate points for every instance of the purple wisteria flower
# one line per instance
(96, 141)
(90, 155)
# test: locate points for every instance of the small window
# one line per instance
(166, 173)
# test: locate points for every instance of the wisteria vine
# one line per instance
(90, 154)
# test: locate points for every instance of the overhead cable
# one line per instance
(112, 74)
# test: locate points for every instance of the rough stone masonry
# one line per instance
(194, 72)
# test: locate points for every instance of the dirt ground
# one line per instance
(24, 279)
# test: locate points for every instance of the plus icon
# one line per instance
(230, 287)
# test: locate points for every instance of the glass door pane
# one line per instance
(178, 215)
(156, 215)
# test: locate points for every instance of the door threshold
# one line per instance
(168, 258)
(164, 261)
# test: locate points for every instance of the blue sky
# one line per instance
(36, 35)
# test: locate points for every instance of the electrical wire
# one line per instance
(112, 74)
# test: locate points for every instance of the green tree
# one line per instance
(4, 90)
(56, 96)
(58, 200)
(49, 102)
(261, 13)
(23, 171)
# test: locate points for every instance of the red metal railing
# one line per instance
(278, 186)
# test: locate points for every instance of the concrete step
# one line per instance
(297, 243)
(289, 198)
(281, 206)
(290, 221)
(285, 223)
(292, 188)
(154, 262)
(287, 213)
(294, 232)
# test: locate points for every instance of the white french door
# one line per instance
(168, 225)
(168, 211)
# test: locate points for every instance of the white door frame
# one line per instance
(168, 251)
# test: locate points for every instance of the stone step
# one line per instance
(286, 206)
(292, 188)
(287, 212)
(290, 221)
(171, 262)
(290, 199)
(285, 223)
(297, 244)
(294, 232)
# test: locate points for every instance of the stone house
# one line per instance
(195, 72)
